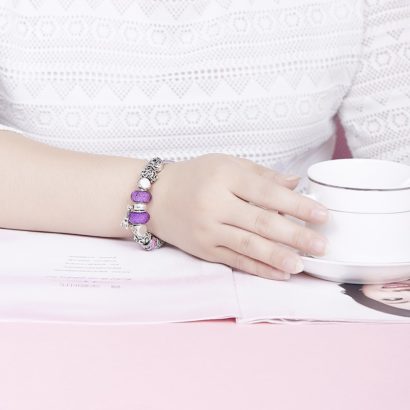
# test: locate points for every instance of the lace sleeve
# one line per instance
(376, 111)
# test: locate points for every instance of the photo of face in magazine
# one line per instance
(309, 299)
(392, 298)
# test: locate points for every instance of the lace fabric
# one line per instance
(376, 111)
(261, 79)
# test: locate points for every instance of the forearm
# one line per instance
(43, 188)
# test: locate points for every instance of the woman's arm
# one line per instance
(43, 188)
(217, 207)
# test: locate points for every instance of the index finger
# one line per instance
(264, 192)
(289, 181)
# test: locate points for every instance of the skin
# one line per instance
(395, 294)
(217, 207)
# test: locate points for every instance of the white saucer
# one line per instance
(354, 272)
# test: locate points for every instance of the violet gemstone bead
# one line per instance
(141, 196)
(138, 217)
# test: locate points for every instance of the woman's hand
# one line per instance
(228, 210)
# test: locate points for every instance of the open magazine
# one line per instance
(72, 278)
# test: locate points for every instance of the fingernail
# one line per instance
(318, 246)
(293, 265)
(320, 214)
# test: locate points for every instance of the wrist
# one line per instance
(159, 203)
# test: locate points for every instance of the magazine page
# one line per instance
(305, 298)
(56, 277)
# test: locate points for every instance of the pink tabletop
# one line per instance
(204, 365)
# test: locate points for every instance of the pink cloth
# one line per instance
(204, 366)
(341, 149)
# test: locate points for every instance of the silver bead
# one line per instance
(146, 239)
(129, 207)
(139, 207)
(124, 223)
(156, 163)
(149, 173)
(139, 230)
(144, 183)
(143, 240)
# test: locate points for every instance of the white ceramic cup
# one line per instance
(369, 207)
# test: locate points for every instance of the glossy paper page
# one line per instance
(308, 299)
(56, 277)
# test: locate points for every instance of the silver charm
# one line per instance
(124, 223)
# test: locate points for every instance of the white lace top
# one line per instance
(262, 79)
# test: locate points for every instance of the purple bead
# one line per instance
(141, 196)
(138, 217)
